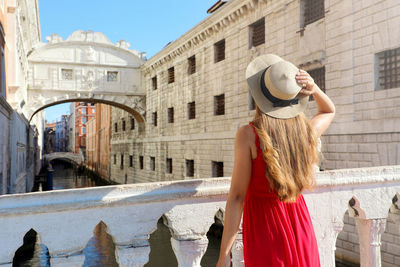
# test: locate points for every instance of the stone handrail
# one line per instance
(65, 219)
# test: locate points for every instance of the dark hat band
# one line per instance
(277, 102)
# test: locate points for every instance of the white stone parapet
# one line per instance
(65, 219)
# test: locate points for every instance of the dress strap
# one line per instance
(257, 141)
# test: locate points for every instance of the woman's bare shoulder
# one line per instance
(245, 134)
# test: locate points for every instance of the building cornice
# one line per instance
(229, 13)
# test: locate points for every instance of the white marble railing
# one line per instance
(65, 219)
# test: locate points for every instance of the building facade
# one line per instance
(62, 134)
(82, 113)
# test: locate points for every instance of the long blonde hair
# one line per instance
(289, 148)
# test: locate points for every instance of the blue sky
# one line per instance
(147, 25)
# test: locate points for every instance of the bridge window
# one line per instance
(154, 82)
(217, 168)
(219, 104)
(66, 74)
(123, 125)
(112, 76)
(192, 65)
(141, 162)
(191, 110)
(132, 123)
(130, 161)
(115, 127)
(388, 67)
(171, 115)
(219, 51)
(152, 163)
(169, 165)
(189, 168)
(155, 118)
(257, 33)
(171, 75)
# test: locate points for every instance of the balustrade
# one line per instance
(65, 219)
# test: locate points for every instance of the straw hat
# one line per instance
(273, 85)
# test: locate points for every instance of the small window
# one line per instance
(257, 33)
(192, 65)
(141, 162)
(217, 169)
(132, 123)
(152, 163)
(313, 10)
(123, 125)
(154, 82)
(219, 104)
(83, 119)
(389, 69)
(155, 118)
(67, 74)
(171, 115)
(189, 168)
(83, 130)
(122, 161)
(219, 51)
(115, 159)
(252, 103)
(171, 75)
(191, 110)
(168, 165)
(130, 161)
(319, 78)
(115, 127)
(112, 76)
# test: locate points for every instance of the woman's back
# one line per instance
(275, 233)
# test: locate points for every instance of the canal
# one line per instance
(100, 249)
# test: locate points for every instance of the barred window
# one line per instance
(154, 82)
(171, 115)
(219, 104)
(191, 110)
(152, 163)
(115, 127)
(112, 76)
(66, 74)
(319, 78)
(132, 123)
(219, 51)
(189, 168)
(192, 65)
(130, 161)
(141, 162)
(217, 169)
(171, 75)
(123, 125)
(389, 69)
(168, 165)
(313, 10)
(257, 33)
(155, 118)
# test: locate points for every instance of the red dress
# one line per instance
(275, 233)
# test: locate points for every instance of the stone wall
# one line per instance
(5, 116)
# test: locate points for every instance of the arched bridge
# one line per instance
(69, 156)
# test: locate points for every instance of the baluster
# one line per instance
(237, 250)
(133, 256)
(189, 252)
(70, 261)
(370, 232)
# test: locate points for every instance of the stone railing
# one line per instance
(65, 219)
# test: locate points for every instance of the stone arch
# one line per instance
(68, 156)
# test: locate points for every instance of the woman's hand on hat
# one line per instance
(307, 82)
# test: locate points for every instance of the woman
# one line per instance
(275, 157)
